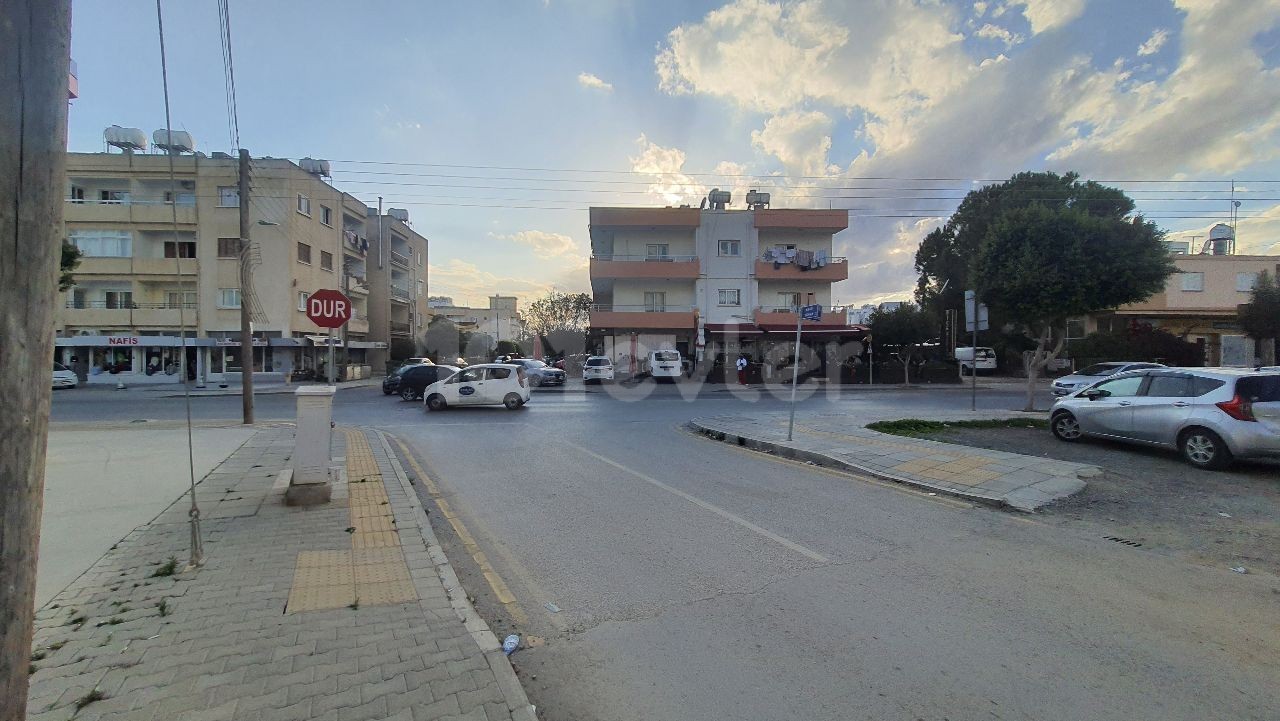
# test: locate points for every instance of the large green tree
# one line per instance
(905, 328)
(1260, 317)
(561, 320)
(70, 261)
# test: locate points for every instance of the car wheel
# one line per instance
(1065, 427)
(408, 394)
(1203, 448)
(512, 401)
(387, 391)
(436, 403)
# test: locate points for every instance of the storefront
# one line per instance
(133, 358)
(771, 350)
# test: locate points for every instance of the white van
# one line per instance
(664, 364)
(965, 357)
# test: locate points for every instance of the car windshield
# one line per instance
(667, 355)
(534, 364)
(1101, 369)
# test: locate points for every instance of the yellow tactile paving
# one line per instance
(381, 539)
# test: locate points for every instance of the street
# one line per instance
(668, 576)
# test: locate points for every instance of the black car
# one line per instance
(410, 381)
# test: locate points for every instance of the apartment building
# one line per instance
(500, 321)
(397, 275)
(142, 285)
(714, 282)
(1199, 303)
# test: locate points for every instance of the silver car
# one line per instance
(1088, 376)
(1210, 415)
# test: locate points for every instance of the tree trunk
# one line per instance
(35, 45)
(1029, 363)
(1267, 351)
(906, 371)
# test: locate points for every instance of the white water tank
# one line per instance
(315, 167)
(125, 138)
(757, 200)
(179, 141)
(1221, 239)
(719, 198)
(399, 214)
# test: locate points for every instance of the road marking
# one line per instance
(807, 552)
(499, 587)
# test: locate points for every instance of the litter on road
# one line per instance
(510, 644)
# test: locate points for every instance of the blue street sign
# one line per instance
(811, 312)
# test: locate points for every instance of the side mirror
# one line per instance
(1094, 394)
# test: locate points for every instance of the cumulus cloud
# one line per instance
(995, 32)
(666, 166)
(587, 80)
(1154, 43)
(544, 244)
(1049, 14)
(800, 140)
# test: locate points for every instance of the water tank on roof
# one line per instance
(757, 200)
(179, 141)
(719, 198)
(125, 138)
(1221, 239)
(315, 167)
(399, 214)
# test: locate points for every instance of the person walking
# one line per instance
(742, 370)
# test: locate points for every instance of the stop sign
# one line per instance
(329, 308)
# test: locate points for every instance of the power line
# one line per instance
(229, 72)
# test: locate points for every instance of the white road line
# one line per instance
(810, 553)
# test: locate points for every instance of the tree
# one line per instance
(1141, 342)
(558, 311)
(442, 341)
(400, 349)
(508, 347)
(906, 327)
(1260, 317)
(1041, 263)
(70, 261)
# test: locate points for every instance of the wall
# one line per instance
(726, 272)
(1219, 282)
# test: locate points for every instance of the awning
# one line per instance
(130, 341)
(286, 342)
(323, 341)
(366, 344)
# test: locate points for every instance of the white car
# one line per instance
(64, 377)
(598, 368)
(478, 385)
(664, 364)
(1083, 378)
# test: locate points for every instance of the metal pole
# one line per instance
(331, 376)
(973, 369)
(795, 374)
(246, 329)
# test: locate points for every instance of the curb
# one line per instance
(512, 692)
(826, 461)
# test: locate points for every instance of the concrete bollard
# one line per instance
(310, 484)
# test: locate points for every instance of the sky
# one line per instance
(497, 124)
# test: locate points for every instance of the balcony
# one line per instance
(398, 259)
(101, 313)
(150, 212)
(356, 286)
(836, 269)
(669, 317)
(785, 317)
(398, 328)
(358, 324)
(399, 294)
(137, 266)
(676, 267)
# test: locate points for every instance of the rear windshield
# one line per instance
(597, 361)
(667, 355)
(1259, 389)
(534, 364)
(1100, 369)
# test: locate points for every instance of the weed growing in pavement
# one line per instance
(918, 428)
(163, 607)
(167, 569)
(78, 621)
(113, 621)
(38, 656)
(93, 695)
(58, 645)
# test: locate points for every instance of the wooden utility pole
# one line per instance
(35, 57)
(246, 333)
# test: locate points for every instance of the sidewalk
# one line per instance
(174, 390)
(343, 611)
(841, 440)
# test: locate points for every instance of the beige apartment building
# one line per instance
(143, 286)
(397, 275)
(1199, 303)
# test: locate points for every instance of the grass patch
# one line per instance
(167, 568)
(919, 428)
(85, 700)
(163, 607)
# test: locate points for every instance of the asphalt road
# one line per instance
(695, 580)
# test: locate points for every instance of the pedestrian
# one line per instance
(742, 369)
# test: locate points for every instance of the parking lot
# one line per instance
(1223, 518)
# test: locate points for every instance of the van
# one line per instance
(986, 359)
(664, 364)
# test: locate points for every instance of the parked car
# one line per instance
(1094, 373)
(392, 382)
(415, 379)
(664, 364)
(986, 359)
(1210, 415)
(540, 374)
(504, 384)
(598, 368)
(64, 377)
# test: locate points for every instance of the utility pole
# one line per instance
(35, 57)
(246, 325)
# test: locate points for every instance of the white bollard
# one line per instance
(310, 484)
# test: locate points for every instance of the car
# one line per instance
(540, 374)
(415, 379)
(1094, 373)
(597, 368)
(504, 384)
(392, 382)
(986, 359)
(64, 377)
(664, 364)
(1209, 415)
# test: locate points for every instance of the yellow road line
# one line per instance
(500, 589)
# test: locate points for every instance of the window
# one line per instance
(1121, 387)
(470, 375)
(730, 296)
(302, 300)
(655, 302)
(183, 198)
(1201, 385)
(498, 374)
(228, 247)
(657, 251)
(1170, 386)
(183, 298)
(1245, 282)
(304, 253)
(228, 196)
(113, 196)
(180, 249)
(228, 297)
(326, 260)
(326, 215)
(77, 194)
(304, 205)
(1192, 281)
(789, 300)
(103, 243)
(421, 287)
(731, 248)
(118, 298)
(78, 298)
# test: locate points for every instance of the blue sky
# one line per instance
(819, 97)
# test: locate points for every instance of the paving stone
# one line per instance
(375, 709)
(437, 710)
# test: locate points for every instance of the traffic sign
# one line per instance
(329, 308)
(811, 312)
(980, 314)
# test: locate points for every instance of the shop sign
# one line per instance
(122, 340)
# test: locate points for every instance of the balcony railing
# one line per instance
(647, 308)
(116, 305)
(398, 258)
(401, 328)
(400, 293)
(830, 260)
(648, 258)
